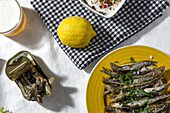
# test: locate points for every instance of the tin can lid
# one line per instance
(18, 67)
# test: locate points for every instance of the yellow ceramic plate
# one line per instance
(95, 87)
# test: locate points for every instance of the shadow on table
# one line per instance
(132, 39)
(60, 94)
(35, 31)
(2, 64)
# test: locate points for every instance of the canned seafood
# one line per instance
(24, 69)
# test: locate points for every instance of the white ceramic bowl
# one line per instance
(106, 16)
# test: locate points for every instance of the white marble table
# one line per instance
(70, 85)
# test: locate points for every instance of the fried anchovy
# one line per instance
(112, 81)
(22, 88)
(162, 108)
(144, 84)
(109, 109)
(153, 74)
(110, 73)
(145, 69)
(157, 89)
(47, 89)
(155, 108)
(140, 102)
(127, 64)
(142, 71)
(122, 95)
(133, 66)
(51, 81)
(138, 81)
(112, 89)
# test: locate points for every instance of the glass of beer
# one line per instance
(12, 18)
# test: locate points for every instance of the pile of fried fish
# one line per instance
(136, 87)
(34, 85)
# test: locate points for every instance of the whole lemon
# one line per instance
(75, 31)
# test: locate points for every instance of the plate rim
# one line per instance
(95, 66)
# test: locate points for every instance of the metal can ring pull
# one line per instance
(18, 67)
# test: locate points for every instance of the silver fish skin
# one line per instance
(122, 95)
(111, 89)
(140, 81)
(140, 102)
(135, 66)
(156, 108)
(143, 85)
(112, 81)
(153, 74)
(110, 73)
(161, 108)
(139, 85)
(147, 69)
(158, 83)
(127, 64)
(156, 77)
(157, 89)
(150, 100)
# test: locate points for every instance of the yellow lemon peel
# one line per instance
(75, 31)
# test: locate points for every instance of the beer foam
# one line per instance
(9, 14)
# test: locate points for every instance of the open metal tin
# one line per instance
(24, 69)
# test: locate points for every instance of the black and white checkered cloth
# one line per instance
(130, 19)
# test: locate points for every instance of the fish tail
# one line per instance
(113, 66)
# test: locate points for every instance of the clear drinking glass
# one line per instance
(12, 18)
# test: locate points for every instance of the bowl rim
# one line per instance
(96, 12)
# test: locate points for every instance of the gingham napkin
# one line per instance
(130, 19)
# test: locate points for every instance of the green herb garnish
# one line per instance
(141, 91)
(121, 79)
(145, 104)
(124, 103)
(151, 95)
(116, 61)
(128, 89)
(132, 60)
(121, 87)
(102, 13)
(4, 111)
(136, 110)
(147, 111)
(115, 91)
(146, 68)
(108, 72)
(140, 80)
(131, 91)
(130, 81)
(116, 75)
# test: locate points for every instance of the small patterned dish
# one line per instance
(104, 8)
